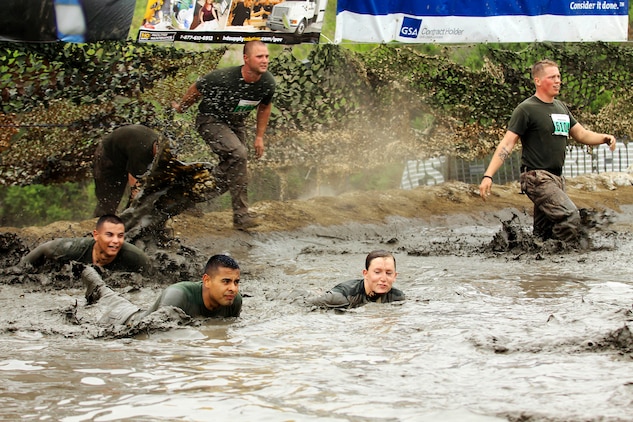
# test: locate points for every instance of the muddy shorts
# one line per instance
(555, 215)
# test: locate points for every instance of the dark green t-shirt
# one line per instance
(130, 148)
(351, 294)
(63, 250)
(544, 130)
(187, 295)
(228, 98)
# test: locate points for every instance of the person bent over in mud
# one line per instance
(120, 159)
(216, 295)
(375, 286)
(106, 249)
(543, 124)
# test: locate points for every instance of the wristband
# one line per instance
(486, 176)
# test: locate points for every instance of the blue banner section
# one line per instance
(481, 21)
(484, 8)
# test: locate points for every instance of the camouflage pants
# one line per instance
(232, 171)
(555, 215)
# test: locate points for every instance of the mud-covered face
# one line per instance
(380, 275)
(221, 287)
(109, 238)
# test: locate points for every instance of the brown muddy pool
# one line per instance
(482, 337)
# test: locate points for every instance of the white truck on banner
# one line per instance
(296, 15)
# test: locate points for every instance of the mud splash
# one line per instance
(170, 187)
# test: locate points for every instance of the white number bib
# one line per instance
(561, 124)
(245, 106)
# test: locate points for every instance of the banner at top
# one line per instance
(468, 21)
(200, 21)
(233, 21)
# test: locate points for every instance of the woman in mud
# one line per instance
(216, 295)
(375, 286)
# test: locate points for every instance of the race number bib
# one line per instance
(244, 106)
(561, 124)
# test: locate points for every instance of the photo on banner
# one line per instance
(233, 21)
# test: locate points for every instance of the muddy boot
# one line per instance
(245, 221)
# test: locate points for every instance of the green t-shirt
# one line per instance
(63, 250)
(544, 130)
(226, 97)
(187, 295)
(130, 148)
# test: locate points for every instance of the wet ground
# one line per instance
(538, 333)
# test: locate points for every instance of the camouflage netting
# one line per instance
(338, 111)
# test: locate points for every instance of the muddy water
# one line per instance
(482, 337)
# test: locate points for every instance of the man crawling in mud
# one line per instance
(375, 286)
(216, 295)
(106, 249)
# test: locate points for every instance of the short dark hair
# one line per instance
(380, 253)
(109, 218)
(538, 67)
(217, 261)
(250, 44)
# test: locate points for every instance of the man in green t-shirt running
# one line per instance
(543, 124)
(227, 96)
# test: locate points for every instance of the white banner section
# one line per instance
(481, 21)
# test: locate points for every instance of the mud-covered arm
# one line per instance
(170, 297)
(39, 255)
(330, 299)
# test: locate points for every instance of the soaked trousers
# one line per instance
(231, 174)
(110, 183)
(555, 215)
(117, 310)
